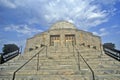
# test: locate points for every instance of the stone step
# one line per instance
(106, 71)
(6, 77)
(65, 66)
(52, 77)
(108, 77)
(50, 65)
(101, 61)
(6, 73)
(9, 68)
(104, 63)
(49, 72)
(89, 54)
(62, 64)
(59, 67)
(74, 68)
(55, 72)
(14, 63)
(46, 60)
(53, 55)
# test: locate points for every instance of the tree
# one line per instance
(9, 48)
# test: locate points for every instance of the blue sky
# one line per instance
(21, 19)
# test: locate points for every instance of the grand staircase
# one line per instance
(61, 63)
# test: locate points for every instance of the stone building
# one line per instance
(68, 54)
(63, 34)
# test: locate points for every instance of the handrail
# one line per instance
(26, 63)
(93, 75)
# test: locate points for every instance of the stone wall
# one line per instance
(82, 38)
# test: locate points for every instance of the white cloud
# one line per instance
(95, 15)
(24, 29)
(7, 3)
(83, 13)
(102, 29)
(95, 33)
(115, 26)
(102, 32)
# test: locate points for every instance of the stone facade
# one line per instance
(60, 60)
(63, 34)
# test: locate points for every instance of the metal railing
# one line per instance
(114, 53)
(79, 55)
(37, 55)
(14, 74)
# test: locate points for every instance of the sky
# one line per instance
(22, 19)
